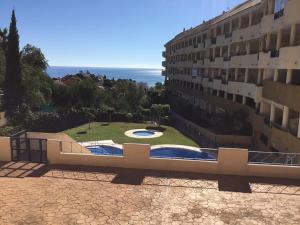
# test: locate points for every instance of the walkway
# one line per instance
(39, 194)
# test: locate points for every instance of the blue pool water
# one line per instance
(105, 150)
(144, 133)
(181, 153)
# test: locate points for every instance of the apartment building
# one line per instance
(247, 58)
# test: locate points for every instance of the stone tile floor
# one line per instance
(39, 194)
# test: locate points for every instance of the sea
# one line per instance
(148, 76)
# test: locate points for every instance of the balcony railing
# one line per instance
(227, 58)
(164, 54)
(274, 158)
(274, 53)
(228, 34)
(213, 40)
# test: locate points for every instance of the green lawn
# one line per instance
(115, 132)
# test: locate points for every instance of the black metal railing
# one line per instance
(274, 158)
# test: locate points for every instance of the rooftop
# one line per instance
(38, 194)
(205, 25)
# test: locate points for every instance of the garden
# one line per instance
(97, 131)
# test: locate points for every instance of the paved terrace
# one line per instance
(38, 194)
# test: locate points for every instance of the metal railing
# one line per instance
(274, 158)
(82, 147)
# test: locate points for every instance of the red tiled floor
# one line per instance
(66, 195)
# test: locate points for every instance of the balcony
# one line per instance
(265, 60)
(164, 64)
(218, 62)
(164, 54)
(218, 84)
(228, 35)
(284, 94)
(163, 73)
(226, 58)
(220, 40)
(245, 89)
(287, 57)
(244, 61)
(248, 33)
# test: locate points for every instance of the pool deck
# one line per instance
(40, 194)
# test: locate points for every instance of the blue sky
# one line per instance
(106, 33)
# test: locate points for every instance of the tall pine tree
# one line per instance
(13, 79)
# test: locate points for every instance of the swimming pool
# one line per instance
(105, 150)
(144, 133)
(181, 153)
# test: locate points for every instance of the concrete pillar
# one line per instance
(279, 38)
(275, 78)
(240, 22)
(299, 128)
(218, 93)
(293, 34)
(250, 19)
(272, 116)
(289, 76)
(244, 100)
(230, 26)
(285, 117)
(234, 98)
(227, 74)
(261, 107)
(268, 41)
(225, 95)
(229, 50)
(264, 74)
(248, 48)
(259, 77)
(246, 75)
(236, 74)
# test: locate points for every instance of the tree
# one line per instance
(13, 89)
(37, 84)
(2, 66)
(33, 56)
(158, 111)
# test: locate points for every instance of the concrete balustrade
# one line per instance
(5, 152)
(230, 162)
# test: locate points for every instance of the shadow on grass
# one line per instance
(160, 129)
(82, 132)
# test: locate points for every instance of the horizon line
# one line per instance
(111, 67)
